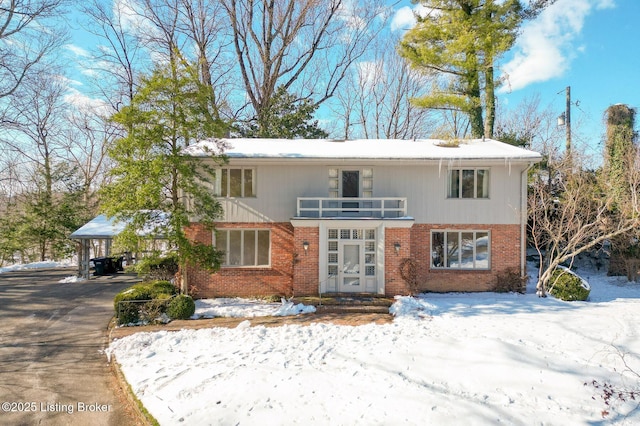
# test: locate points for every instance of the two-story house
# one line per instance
(309, 216)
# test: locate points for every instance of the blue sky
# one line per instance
(590, 45)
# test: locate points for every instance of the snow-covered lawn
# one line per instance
(37, 265)
(446, 359)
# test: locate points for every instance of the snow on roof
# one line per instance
(99, 227)
(102, 227)
(420, 149)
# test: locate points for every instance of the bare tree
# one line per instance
(305, 46)
(525, 125)
(35, 123)
(119, 61)
(34, 131)
(386, 87)
(201, 22)
(26, 39)
(198, 30)
(570, 213)
(143, 34)
(88, 136)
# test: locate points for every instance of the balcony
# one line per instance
(376, 208)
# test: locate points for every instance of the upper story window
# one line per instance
(468, 183)
(236, 182)
(348, 183)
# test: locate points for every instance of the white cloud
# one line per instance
(546, 46)
(84, 102)
(606, 4)
(131, 16)
(404, 18)
(369, 73)
(78, 51)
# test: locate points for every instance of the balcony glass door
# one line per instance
(350, 189)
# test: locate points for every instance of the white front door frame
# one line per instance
(328, 283)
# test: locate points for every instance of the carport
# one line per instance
(97, 234)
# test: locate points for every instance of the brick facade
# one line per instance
(247, 281)
(306, 271)
(296, 272)
(505, 253)
(394, 284)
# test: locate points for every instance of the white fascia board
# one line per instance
(402, 222)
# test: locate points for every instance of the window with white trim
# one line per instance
(460, 249)
(351, 183)
(236, 182)
(468, 183)
(244, 247)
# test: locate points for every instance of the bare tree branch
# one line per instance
(26, 39)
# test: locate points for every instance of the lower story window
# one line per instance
(460, 249)
(244, 247)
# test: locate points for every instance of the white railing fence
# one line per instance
(386, 207)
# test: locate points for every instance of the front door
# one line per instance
(352, 260)
(351, 272)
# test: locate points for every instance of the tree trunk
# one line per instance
(490, 102)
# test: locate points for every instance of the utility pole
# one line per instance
(568, 119)
(565, 119)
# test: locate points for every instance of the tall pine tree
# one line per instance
(154, 186)
(461, 40)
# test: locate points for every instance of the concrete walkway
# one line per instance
(52, 335)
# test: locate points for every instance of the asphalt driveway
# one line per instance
(52, 368)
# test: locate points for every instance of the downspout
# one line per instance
(184, 279)
(523, 219)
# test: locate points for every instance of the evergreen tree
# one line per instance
(155, 188)
(619, 148)
(285, 117)
(620, 166)
(461, 40)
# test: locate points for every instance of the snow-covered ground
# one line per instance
(246, 308)
(37, 265)
(446, 359)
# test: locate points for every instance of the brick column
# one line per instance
(394, 284)
(305, 269)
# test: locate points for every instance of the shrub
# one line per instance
(161, 287)
(158, 267)
(128, 303)
(135, 292)
(181, 307)
(566, 285)
(509, 280)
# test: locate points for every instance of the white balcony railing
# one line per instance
(389, 207)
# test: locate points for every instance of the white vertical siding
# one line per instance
(424, 186)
